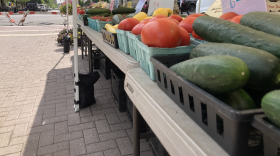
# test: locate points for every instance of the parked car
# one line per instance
(191, 5)
(43, 7)
(32, 6)
(205, 4)
(49, 8)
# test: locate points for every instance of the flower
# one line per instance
(145, 6)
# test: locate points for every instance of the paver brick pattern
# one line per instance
(36, 102)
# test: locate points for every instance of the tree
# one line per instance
(38, 1)
(22, 3)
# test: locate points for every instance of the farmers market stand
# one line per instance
(178, 133)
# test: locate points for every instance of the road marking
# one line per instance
(40, 26)
(31, 30)
(27, 34)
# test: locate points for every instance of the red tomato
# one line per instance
(185, 37)
(145, 20)
(174, 20)
(228, 15)
(128, 24)
(195, 15)
(162, 33)
(138, 28)
(237, 19)
(176, 17)
(157, 16)
(194, 35)
(187, 24)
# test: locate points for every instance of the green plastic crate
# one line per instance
(94, 26)
(101, 24)
(90, 22)
(144, 54)
(123, 41)
(132, 44)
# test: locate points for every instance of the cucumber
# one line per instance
(103, 14)
(262, 21)
(96, 11)
(123, 11)
(117, 18)
(217, 30)
(264, 67)
(271, 107)
(131, 15)
(238, 100)
(215, 74)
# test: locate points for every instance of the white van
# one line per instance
(205, 4)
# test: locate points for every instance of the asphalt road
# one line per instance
(36, 20)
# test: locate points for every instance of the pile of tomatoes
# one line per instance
(161, 31)
(168, 32)
(102, 18)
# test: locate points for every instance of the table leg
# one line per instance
(82, 45)
(86, 49)
(90, 55)
(136, 132)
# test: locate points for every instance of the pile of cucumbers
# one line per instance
(240, 62)
(107, 12)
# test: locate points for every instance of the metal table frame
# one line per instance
(178, 133)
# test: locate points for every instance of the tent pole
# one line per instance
(199, 7)
(67, 15)
(75, 38)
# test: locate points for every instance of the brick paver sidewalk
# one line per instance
(36, 103)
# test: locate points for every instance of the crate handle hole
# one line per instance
(164, 78)
(172, 87)
(191, 102)
(204, 113)
(181, 95)
(158, 73)
(278, 153)
(220, 125)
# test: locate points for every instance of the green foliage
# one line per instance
(82, 3)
